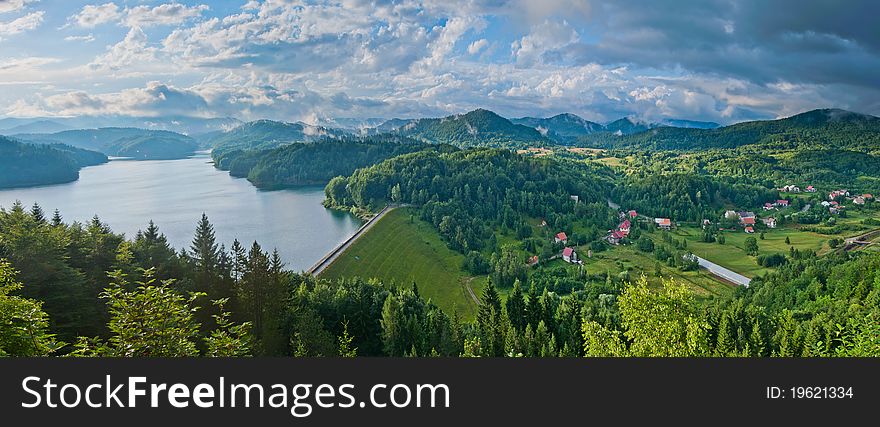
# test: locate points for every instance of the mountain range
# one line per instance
(266, 134)
(831, 127)
(139, 144)
(477, 128)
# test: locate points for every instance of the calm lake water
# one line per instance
(127, 194)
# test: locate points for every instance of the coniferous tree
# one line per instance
(516, 307)
(37, 213)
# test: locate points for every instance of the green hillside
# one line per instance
(313, 163)
(23, 165)
(404, 250)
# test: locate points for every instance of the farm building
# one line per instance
(561, 237)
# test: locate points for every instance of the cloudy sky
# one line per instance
(720, 60)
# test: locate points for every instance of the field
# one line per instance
(404, 249)
(732, 255)
(626, 258)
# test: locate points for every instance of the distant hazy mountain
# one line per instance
(179, 124)
(478, 128)
(562, 128)
(39, 126)
(828, 127)
(141, 144)
(23, 165)
(183, 125)
(264, 134)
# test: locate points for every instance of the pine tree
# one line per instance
(490, 322)
(533, 307)
(57, 220)
(204, 248)
(516, 307)
(37, 214)
(725, 344)
(756, 339)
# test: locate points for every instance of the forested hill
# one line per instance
(267, 134)
(23, 165)
(140, 144)
(829, 128)
(468, 194)
(562, 128)
(314, 163)
(478, 128)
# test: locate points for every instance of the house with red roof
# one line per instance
(783, 203)
(811, 189)
(533, 261)
(632, 214)
(750, 230)
(615, 237)
(561, 237)
(624, 226)
(747, 220)
(664, 223)
(569, 255)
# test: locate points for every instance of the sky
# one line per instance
(715, 60)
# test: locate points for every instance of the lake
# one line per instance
(127, 194)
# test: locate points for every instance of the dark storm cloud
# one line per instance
(805, 42)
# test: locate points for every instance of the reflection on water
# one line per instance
(174, 193)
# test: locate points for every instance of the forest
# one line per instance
(23, 165)
(313, 163)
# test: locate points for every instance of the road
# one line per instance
(861, 240)
(723, 273)
(332, 255)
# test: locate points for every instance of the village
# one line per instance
(774, 214)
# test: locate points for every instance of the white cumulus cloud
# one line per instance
(22, 24)
(93, 15)
(164, 14)
(13, 5)
(477, 46)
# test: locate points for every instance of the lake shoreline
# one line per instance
(127, 194)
